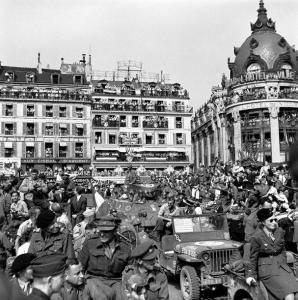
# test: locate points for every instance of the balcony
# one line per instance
(105, 124)
(130, 142)
(141, 108)
(155, 125)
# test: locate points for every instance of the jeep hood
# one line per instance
(206, 246)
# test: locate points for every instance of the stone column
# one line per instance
(237, 133)
(208, 149)
(223, 140)
(197, 147)
(215, 138)
(274, 128)
(202, 160)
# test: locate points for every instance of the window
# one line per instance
(112, 139)
(49, 111)
(29, 151)
(55, 78)
(62, 111)
(79, 112)
(178, 122)
(179, 138)
(62, 150)
(30, 77)
(8, 152)
(149, 139)
(77, 79)
(161, 139)
(98, 138)
(78, 149)
(49, 129)
(122, 121)
(8, 129)
(48, 149)
(79, 129)
(63, 129)
(253, 68)
(9, 76)
(30, 110)
(29, 129)
(135, 121)
(9, 110)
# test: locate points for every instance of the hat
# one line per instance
(48, 265)
(145, 251)
(264, 213)
(45, 219)
(21, 262)
(189, 202)
(89, 212)
(136, 221)
(107, 223)
(34, 171)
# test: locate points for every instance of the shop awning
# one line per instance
(30, 144)
(7, 144)
(49, 125)
(63, 125)
(80, 125)
(62, 144)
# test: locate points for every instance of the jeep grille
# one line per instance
(219, 258)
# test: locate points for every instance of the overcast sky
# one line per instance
(188, 39)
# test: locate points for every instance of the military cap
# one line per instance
(21, 262)
(107, 223)
(145, 251)
(34, 171)
(45, 219)
(48, 265)
(264, 213)
(189, 202)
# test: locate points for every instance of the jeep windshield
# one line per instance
(202, 223)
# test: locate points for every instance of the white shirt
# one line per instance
(99, 200)
(24, 226)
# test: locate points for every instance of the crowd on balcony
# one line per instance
(155, 122)
(45, 93)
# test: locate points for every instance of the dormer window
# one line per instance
(9, 76)
(78, 79)
(253, 68)
(30, 77)
(55, 78)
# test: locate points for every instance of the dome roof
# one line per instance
(264, 47)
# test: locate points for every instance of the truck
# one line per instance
(197, 252)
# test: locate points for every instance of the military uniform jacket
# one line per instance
(38, 295)
(267, 256)
(59, 243)
(157, 282)
(96, 263)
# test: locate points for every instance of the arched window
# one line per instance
(253, 68)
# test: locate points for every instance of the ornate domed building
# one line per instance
(253, 114)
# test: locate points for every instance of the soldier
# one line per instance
(145, 258)
(49, 239)
(48, 275)
(21, 281)
(104, 258)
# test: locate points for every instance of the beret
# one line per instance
(107, 223)
(45, 219)
(264, 213)
(48, 265)
(21, 262)
(145, 251)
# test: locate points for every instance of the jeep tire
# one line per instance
(190, 283)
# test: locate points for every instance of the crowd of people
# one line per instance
(61, 240)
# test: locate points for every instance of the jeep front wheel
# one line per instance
(189, 283)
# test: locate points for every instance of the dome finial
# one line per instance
(262, 23)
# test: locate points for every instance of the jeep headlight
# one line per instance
(205, 256)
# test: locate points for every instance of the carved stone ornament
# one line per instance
(274, 110)
(282, 42)
(236, 115)
(253, 43)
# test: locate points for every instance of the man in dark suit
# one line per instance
(78, 204)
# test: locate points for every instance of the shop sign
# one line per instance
(55, 161)
(259, 76)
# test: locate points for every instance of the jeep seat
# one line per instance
(168, 244)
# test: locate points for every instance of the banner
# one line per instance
(9, 165)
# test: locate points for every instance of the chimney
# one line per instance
(62, 60)
(89, 59)
(84, 59)
(39, 69)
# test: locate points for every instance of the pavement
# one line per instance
(174, 291)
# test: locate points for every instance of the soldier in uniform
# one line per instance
(104, 258)
(145, 258)
(48, 239)
(48, 275)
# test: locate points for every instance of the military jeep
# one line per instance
(198, 249)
